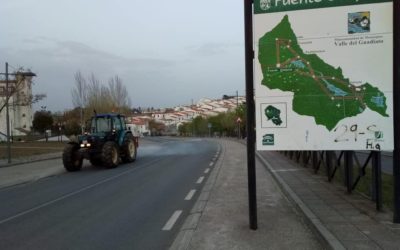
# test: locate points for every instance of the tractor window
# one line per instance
(101, 124)
(117, 124)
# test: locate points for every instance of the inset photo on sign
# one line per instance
(359, 22)
(273, 115)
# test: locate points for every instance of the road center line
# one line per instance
(72, 194)
(200, 180)
(207, 170)
(171, 222)
(190, 195)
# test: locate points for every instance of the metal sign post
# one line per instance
(396, 108)
(250, 106)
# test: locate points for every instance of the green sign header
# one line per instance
(269, 6)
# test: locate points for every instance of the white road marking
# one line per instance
(200, 180)
(171, 222)
(211, 164)
(207, 170)
(190, 195)
(286, 170)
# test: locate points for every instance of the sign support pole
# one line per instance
(250, 106)
(396, 112)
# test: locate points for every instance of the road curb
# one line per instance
(189, 226)
(330, 241)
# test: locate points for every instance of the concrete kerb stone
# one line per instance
(327, 237)
(189, 226)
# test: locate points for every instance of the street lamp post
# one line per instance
(8, 118)
(8, 96)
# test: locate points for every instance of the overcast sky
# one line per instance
(167, 52)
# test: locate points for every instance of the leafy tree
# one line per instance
(42, 120)
(156, 128)
(200, 127)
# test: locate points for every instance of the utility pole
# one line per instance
(8, 118)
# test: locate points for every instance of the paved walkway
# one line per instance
(219, 219)
(344, 221)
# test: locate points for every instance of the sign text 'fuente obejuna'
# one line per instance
(268, 6)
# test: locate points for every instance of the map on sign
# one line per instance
(323, 75)
(319, 89)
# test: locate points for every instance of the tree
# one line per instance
(156, 128)
(200, 127)
(16, 95)
(79, 95)
(118, 93)
(42, 120)
(71, 121)
(91, 95)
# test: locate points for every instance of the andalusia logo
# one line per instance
(265, 4)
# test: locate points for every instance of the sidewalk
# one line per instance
(311, 214)
(34, 158)
(219, 219)
(345, 221)
(30, 169)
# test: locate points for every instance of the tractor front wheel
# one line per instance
(71, 159)
(110, 155)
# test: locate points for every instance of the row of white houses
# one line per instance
(173, 118)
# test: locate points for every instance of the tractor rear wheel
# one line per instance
(109, 155)
(128, 149)
(71, 159)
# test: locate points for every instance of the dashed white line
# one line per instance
(171, 222)
(190, 195)
(200, 180)
(207, 170)
(211, 164)
(286, 170)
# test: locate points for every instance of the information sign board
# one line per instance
(323, 74)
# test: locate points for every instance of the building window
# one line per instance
(23, 115)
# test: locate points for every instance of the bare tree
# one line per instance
(79, 95)
(19, 91)
(95, 96)
(118, 92)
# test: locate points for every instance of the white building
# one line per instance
(20, 106)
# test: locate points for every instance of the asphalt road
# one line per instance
(135, 206)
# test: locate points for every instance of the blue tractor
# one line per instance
(106, 143)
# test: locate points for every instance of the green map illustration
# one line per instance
(319, 89)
